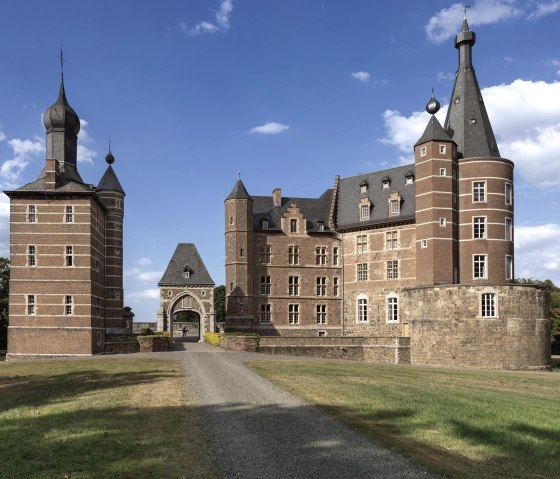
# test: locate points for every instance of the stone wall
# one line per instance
(153, 344)
(447, 329)
(246, 344)
(376, 349)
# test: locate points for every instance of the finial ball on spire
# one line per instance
(433, 105)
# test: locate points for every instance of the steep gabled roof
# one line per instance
(109, 181)
(239, 192)
(433, 132)
(186, 257)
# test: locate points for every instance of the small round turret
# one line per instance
(433, 105)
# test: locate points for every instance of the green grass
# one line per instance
(110, 418)
(458, 423)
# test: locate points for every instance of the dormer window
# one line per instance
(394, 207)
(186, 272)
(386, 182)
(320, 226)
(409, 178)
(364, 212)
(264, 224)
(363, 187)
(394, 204)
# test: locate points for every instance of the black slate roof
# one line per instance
(68, 180)
(109, 181)
(433, 132)
(239, 192)
(314, 210)
(348, 214)
(186, 257)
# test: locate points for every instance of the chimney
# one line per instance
(277, 197)
(51, 173)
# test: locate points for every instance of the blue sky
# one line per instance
(287, 93)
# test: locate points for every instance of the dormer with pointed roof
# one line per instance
(467, 121)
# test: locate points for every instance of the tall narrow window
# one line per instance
(31, 258)
(488, 305)
(509, 194)
(30, 304)
(364, 212)
(335, 256)
(335, 286)
(392, 309)
(479, 191)
(265, 313)
(293, 226)
(479, 270)
(479, 227)
(362, 310)
(293, 254)
(392, 269)
(391, 240)
(320, 255)
(264, 224)
(321, 313)
(265, 254)
(321, 286)
(509, 229)
(31, 214)
(69, 256)
(509, 267)
(69, 214)
(361, 243)
(265, 285)
(293, 285)
(361, 272)
(293, 313)
(68, 305)
(394, 207)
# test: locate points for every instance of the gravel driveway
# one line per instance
(259, 431)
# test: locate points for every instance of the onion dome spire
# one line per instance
(433, 105)
(109, 158)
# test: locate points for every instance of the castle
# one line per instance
(421, 254)
(66, 282)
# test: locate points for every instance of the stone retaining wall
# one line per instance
(245, 344)
(153, 344)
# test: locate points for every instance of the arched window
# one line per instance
(392, 302)
(362, 308)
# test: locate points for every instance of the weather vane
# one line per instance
(466, 7)
(61, 63)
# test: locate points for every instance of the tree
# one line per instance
(4, 294)
(554, 310)
(220, 303)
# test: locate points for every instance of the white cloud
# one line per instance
(144, 276)
(537, 251)
(27, 147)
(2, 136)
(270, 128)
(543, 9)
(530, 139)
(222, 21)
(445, 76)
(23, 150)
(143, 262)
(361, 76)
(144, 294)
(4, 225)
(446, 23)
(85, 154)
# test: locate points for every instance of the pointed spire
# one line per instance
(467, 121)
(239, 192)
(109, 158)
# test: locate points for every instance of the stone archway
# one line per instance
(187, 301)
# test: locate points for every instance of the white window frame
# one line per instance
(266, 285)
(393, 269)
(321, 286)
(30, 305)
(31, 214)
(68, 305)
(361, 272)
(443, 222)
(293, 285)
(293, 225)
(293, 254)
(442, 150)
(509, 266)
(423, 151)
(321, 313)
(392, 308)
(31, 255)
(488, 304)
(424, 243)
(335, 256)
(320, 255)
(479, 228)
(361, 243)
(265, 314)
(442, 172)
(336, 286)
(508, 193)
(392, 240)
(364, 212)
(394, 209)
(69, 214)
(479, 191)
(508, 232)
(483, 261)
(264, 224)
(293, 313)
(69, 256)
(265, 254)
(362, 309)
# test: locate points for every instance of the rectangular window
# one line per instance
(392, 269)
(509, 194)
(293, 285)
(31, 214)
(479, 270)
(335, 286)
(364, 212)
(335, 256)
(69, 214)
(68, 305)
(293, 254)
(264, 224)
(293, 226)
(362, 310)
(361, 269)
(442, 222)
(423, 151)
(479, 191)
(392, 310)
(265, 254)
(31, 259)
(391, 240)
(509, 267)
(479, 227)
(442, 172)
(442, 150)
(424, 243)
(361, 243)
(30, 304)
(321, 286)
(293, 313)
(488, 305)
(394, 207)
(509, 229)
(321, 314)
(265, 313)
(69, 256)
(265, 285)
(320, 255)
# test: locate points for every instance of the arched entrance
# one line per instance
(186, 325)
(188, 302)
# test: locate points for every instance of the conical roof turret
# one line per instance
(239, 192)
(434, 131)
(109, 181)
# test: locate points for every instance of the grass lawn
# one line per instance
(102, 418)
(459, 423)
